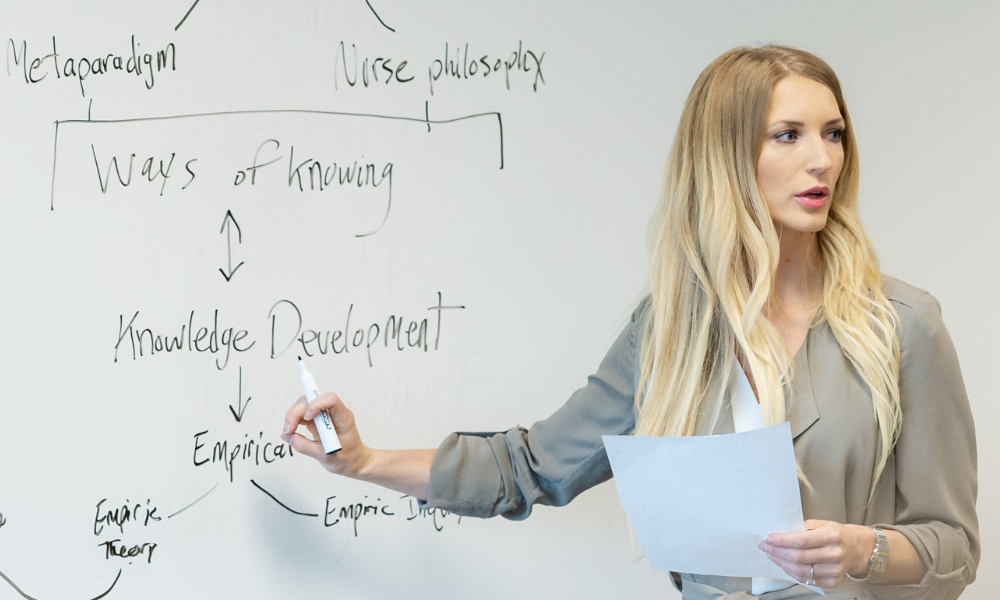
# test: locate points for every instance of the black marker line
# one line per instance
(229, 253)
(200, 498)
(323, 113)
(500, 123)
(89, 107)
(188, 13)
(272, 111)
(55, 149)
(376, 16)
(280, 502)
(18, 590)
(110, 588)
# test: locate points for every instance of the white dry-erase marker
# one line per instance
(327, 434)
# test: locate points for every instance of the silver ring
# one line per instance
(811, 581)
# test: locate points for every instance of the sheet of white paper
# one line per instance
(701, 504)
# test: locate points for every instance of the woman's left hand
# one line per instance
(826, 550)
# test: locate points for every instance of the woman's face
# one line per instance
(802, 154)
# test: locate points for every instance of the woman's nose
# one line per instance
(820, 160)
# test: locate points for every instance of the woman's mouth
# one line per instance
(814, 197)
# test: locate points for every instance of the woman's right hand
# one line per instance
(407, 471)
(352, 459)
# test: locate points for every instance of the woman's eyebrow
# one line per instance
(837, 121)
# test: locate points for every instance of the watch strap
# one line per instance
(880, 556)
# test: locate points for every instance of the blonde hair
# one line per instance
(714, 253)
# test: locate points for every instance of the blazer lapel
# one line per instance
(800, 406)
(801, 409)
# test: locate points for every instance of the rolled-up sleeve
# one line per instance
(506, 473)
(936, 480)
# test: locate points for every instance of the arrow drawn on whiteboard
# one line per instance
(229, 245)
(282, 504)
(239, 404)
(18, 590)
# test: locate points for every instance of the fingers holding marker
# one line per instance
(293, 419)
(304, 445)
(327, 401)
(322, 421)
(304, 414)
(294, 416)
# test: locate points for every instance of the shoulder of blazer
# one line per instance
(901, 293)
(917, 308)
(644, 305)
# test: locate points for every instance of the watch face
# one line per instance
(881, 558)
(881, 562)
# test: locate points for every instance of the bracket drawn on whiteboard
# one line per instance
(425, 120)
(370, 7)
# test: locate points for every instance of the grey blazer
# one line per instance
(927, 491)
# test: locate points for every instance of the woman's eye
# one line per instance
(786, 136)
(836, 135)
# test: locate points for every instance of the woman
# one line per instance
(760, 273)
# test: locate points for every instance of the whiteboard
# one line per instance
(452, 198)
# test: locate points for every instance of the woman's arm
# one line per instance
(495, 473)
(406, 471)
(934, 538)
(906, 566)
(936, 467)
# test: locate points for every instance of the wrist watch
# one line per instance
(880, 557)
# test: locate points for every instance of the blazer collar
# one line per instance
(800, 406)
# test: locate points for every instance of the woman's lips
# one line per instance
(814, 197)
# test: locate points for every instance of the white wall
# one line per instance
(545, 254)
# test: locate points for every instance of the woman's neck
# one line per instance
(798, 288)
(798, 292)
(798, 282)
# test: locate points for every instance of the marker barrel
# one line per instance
(327, 434)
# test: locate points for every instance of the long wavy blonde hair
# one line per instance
(714, 253)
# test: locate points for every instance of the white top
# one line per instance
(747, 416)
